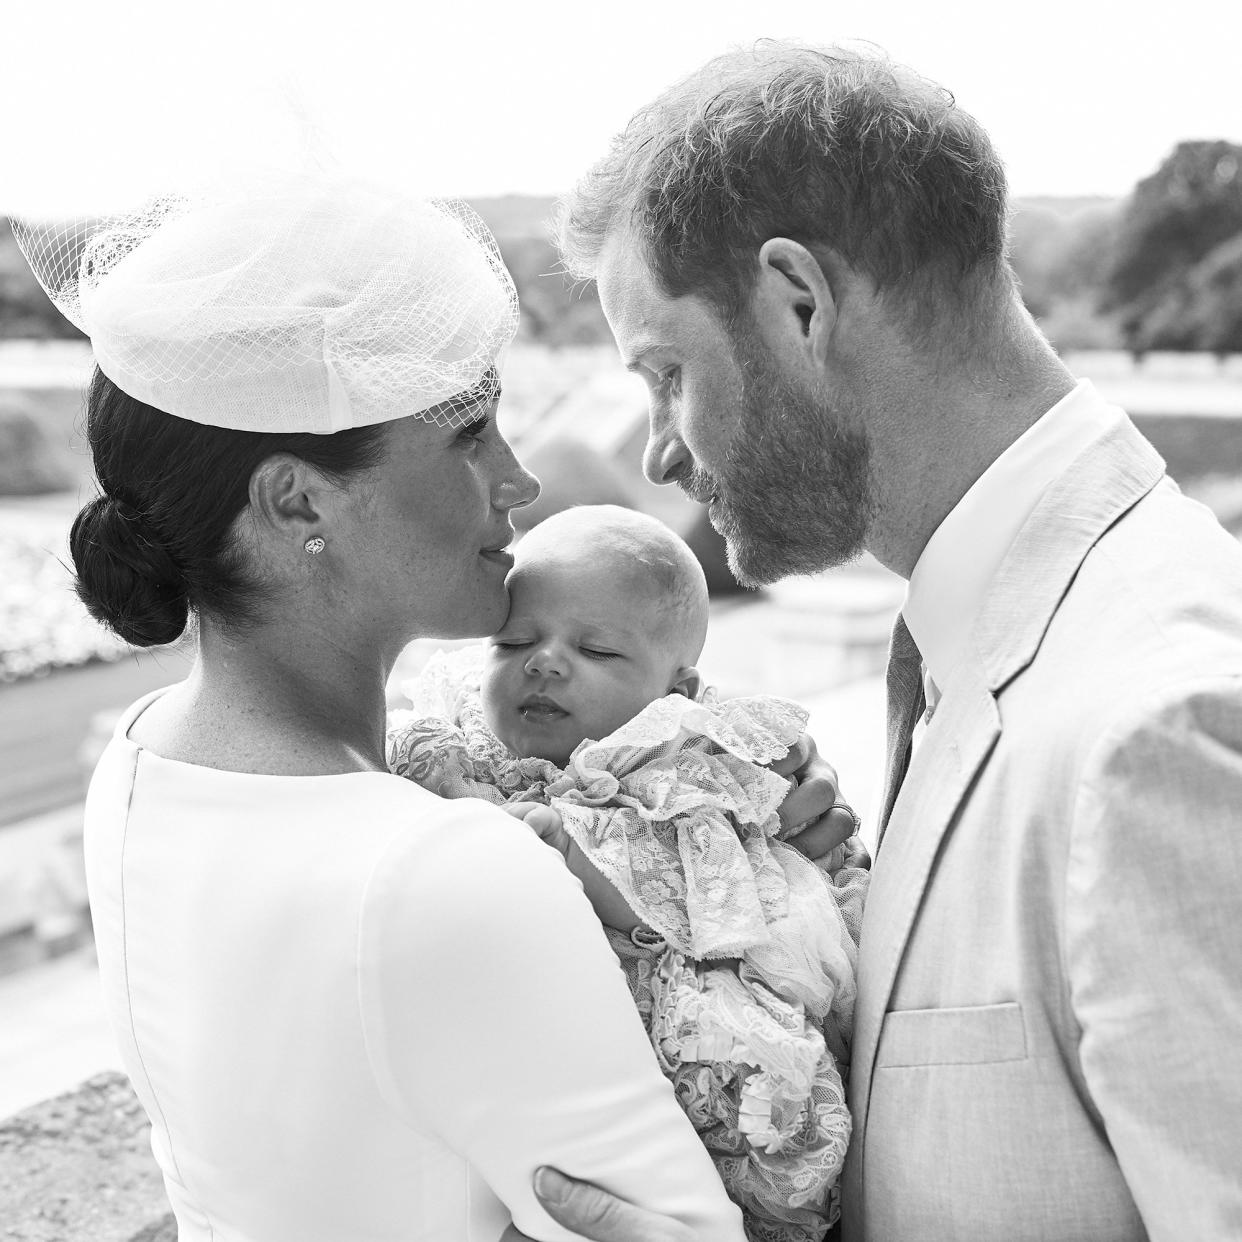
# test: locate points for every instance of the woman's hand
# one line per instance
(594, 1213)
(813, 805)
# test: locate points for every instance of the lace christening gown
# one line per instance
(749, 1002)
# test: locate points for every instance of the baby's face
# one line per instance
(583, 651)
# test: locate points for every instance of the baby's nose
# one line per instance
(545, 662)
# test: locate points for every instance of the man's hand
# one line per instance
(814, 805)
(594, 1213)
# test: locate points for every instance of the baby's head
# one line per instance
(607, 613)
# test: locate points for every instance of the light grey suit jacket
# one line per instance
(1048, 1039)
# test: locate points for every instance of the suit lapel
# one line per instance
(1108, 478)
(947, 761)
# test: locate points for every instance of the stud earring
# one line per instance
(314, 545)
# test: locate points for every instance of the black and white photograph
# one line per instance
(620, 622)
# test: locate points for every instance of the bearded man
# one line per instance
(803, 254)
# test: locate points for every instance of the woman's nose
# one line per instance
(519, 487)
(665, 458)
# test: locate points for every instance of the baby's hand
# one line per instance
(544, 821)
(610, 907)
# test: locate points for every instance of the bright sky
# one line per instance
(105, 101)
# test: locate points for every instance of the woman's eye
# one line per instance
(473, 432)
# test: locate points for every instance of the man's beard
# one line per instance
(795, 494)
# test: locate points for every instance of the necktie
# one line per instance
(904, 684)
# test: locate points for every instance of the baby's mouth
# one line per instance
(538, 707)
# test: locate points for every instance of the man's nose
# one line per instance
(665, 457)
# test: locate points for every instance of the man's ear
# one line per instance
(687, 681)
(794, 300)
(287, 498)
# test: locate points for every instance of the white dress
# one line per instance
(355, 1011)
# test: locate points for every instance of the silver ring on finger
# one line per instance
(849, 810)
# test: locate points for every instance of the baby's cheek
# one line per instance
(620, 705)
(493, 694)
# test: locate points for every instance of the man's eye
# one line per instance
(670, 379)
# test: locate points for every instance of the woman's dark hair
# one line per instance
(156, 543)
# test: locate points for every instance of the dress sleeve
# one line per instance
(498, 1020)
(1153, 911)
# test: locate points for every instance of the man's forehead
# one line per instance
(627, 287)
(644, 319)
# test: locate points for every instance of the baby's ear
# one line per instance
(687, 681)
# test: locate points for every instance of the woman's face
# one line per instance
(425, 545)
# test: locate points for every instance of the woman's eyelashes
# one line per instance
(473, 432)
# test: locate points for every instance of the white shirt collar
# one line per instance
(951, 579)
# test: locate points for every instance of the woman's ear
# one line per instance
(287, 498)
(687, 681)
(795, 302)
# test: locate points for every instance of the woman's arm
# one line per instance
(499, 1020)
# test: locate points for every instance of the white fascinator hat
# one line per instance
(302, 304)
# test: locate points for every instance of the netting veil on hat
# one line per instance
(311, 305)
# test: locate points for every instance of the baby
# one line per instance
(739, 952)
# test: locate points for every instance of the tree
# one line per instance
(1061, 250)
(1202, 309)
(1173, 222)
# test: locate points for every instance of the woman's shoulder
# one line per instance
(467, 840)
(468, 878)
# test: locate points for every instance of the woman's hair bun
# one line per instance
(126, 577)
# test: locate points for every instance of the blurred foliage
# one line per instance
(25, 310)
(1175, 275)
(43, 624)
(31, 461)
(1060, 248)
(1175, 217)
(1200, 309)
(554, 311)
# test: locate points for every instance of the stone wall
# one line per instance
(78, 1168)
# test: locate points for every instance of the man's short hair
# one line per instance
(829, 147)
